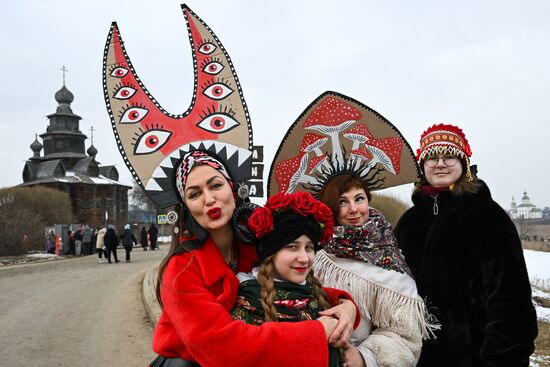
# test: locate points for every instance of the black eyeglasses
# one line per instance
(448, 160)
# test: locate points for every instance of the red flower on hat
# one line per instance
(323, 215)
(302, 203)
(261, 222)
(278, 201)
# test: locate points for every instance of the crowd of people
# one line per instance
(104, 241)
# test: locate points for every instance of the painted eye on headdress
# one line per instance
(133, 115)
(119, 72)
(151, 141)
(207, 48)
(213, 68)
(124, 93)
(217, 91)
(218, 123)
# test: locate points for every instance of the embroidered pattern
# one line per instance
(373, 242)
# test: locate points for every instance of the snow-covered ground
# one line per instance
(538, 268)
(538, 264)
(40, 255)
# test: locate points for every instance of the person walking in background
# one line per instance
(111, 242)
(94, 240)
(466, 257)
(86, 240)
(153, 236)
(100, 244)
(71, 250)
(78, 242)
(128, 240)
(143, 238)
(50, 243)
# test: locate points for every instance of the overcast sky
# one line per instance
(483, 65)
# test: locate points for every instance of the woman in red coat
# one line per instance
(198, 288)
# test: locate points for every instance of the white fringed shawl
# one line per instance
(388, 298)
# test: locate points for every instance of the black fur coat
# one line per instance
(468, 264)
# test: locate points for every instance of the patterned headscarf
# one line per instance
(372, 242)
(195, 158)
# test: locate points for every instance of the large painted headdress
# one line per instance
(337, 134)
(152, 141)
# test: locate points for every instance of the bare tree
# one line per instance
(25, 212)
(140, 200)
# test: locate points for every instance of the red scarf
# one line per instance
(432, 191)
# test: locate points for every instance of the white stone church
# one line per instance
(525, 209)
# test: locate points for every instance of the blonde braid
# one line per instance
(267, 288)
(318, 291)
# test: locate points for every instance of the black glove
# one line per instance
(239, 220)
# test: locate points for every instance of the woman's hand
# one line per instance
(345, 312)
(352, 356)
(329, 323)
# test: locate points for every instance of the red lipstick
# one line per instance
(214, 213)
(300, 269)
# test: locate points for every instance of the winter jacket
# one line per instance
(87, 235)
(153, 234)
(468, 263)
(111, 239)
(143, 237)
(127, 238)
(100, 238)
(78, 235)
(198, 292)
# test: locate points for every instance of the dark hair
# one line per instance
(461, 186)
(178, 246)
(338, 185)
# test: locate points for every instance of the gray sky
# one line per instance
(483, 65)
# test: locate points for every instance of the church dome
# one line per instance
(64, 95)
(92, 151)
(36, 146)
(64, 108)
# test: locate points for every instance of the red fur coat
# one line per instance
(199, 290)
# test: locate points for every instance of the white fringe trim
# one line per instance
(385, 307)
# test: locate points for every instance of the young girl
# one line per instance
(465, 255)
(283, 288)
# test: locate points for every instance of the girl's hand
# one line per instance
(329, 323)
(345, 312)
(352, 356)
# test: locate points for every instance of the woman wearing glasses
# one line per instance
(466, 257)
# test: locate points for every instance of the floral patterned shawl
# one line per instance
(372, 242)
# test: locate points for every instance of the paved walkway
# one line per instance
(76, 312)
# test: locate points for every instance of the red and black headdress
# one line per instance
(153, 141)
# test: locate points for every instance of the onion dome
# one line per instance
(92, 151)
(64, 96)
(36, 147)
